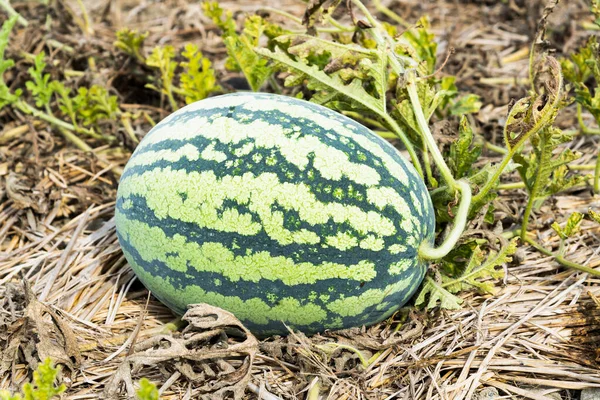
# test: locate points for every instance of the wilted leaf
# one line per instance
(193, 349)
(463, 152)
(435, 293)
(480, 268)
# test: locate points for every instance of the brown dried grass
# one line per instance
(534, 338)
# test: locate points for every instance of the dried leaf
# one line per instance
(436, 293)
(36, 337)
(19, 188)
(209, 344)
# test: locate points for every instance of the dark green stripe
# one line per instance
(246, 290)
(239, 244)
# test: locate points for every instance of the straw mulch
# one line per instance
(67, 292)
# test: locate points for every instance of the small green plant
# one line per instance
(240, 47)
(43, 386)
(147, 390)
(479, 273)
(88, 111)
(193, 78)
(197, 78)
(161, 58)
(595, 216)
(131, 42)
(582, 71)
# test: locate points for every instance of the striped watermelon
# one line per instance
(276, 209)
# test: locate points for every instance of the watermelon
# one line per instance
(276, 209)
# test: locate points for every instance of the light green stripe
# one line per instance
(256, 310)
(401, 266)
(331, 163)
(416, 203)
(188, 151)
(162, 187)
(189, 129)
(322, 120)
(177, 253)
(293, 149)
(210, 153)
(396, 248)
(356, 305)
(384, 196)
(185, 130)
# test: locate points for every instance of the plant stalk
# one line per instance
(5, 5)
(538, 184)
(560, 259)
(495, 148)
(411, 86)
(510, 186)
(540, 124)
(384, 42)
(389, 13)
(582, 126)
(597, 174)
(27, 109)
(409, 147)
(427, 251)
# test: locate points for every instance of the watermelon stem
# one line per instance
(427, 251)
(411, 86)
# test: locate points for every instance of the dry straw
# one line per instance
(536, 338)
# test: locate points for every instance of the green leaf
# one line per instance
(578, 70)
(6, 96)
(198, 78)
(39, 86)
(131, 42)
(147, 390)
(571, 227)
(423, 46)
(65, 102)
(319, 11)
(562, 179)
(467, 104)
(7, 27)
(429, 98)
(212, 10)
(595, 9)
(463, 152)
(240, 48)
(479, 270)
(594, 215)
(95, 104)
(161, 58)
(544, 174)
(346, 61)
(42, 388)
(254, 68)
(435, 293)
(328, 87)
